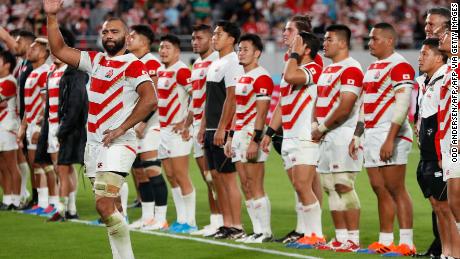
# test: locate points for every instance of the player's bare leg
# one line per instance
(25, 172)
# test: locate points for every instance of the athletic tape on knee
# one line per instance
(207, 176)
(108, 184)
(39, 171)
(351, 200)
(114, 221)
(48, 168)
(151, 164)
(335, 202)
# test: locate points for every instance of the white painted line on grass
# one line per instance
(213, 242)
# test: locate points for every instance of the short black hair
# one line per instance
(68, 37)
(387, 27)
(231, 29)
(342, 30)
(8, 58)
(173, 39)
(254, 39)
(312, 42)
(202, 27)
(145, 31)
(302, 23)
(433, 44)
(439, 10)
(26, 34)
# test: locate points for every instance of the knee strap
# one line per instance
(351, 200)
(48, 168)
(108, 184)
(335, 201)
(39, 171)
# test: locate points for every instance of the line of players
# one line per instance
(321, 111)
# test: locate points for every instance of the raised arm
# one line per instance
(8, 40)
(58, 47)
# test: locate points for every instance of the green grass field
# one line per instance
(25, 236)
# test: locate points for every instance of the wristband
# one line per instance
(322, 128)
(295, 56)
(232, 132)
(257, 136)
(270, 132)
(356, 141)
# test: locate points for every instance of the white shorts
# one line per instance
(31, 130)
(373, 141)
(198, 149)
(172, 145)
(333, 153)
(53, 143)
(116, 158)
(150, 142)
(299, 152)
(240, 143)
(7, 141)
(450, 169)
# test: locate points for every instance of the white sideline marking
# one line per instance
(213, 242)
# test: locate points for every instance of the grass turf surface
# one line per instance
(25, 236)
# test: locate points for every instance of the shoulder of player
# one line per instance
(8, 80)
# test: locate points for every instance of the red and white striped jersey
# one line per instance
(382, 79)
(112, 92)
(297, 104)
(173, 93)
(444, 113)
(33, 90)
(9, 119)
(152, 64)
(251, 87)
(343, 76)
(198, 78)
(53, 92)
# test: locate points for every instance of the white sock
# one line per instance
(119, 232)
(7, 199)
(386, 238)
(214, 220)
(219, 220)
(300, 228)
(252, 215)
(53, 200)
(312, 217)
(353, 235)
(16, 200)
(160, 213)
(406, 236)
(262, 211)
(147, 209)
(124, 191)
(25, 172)
(42, 197)
(180, 206)
(189, 204)
(115, 254)
(72, 207)
(458, 226)
(341, 235)
(63, 205)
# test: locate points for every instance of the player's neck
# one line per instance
(340, 56)
(169, 64)
(250, 66)
(306, 59)
(433, 71)
(386, 55)
(4, 73)
(59, 65)
(140, 52)
(225, 51)
(206, 54)
(38, 63)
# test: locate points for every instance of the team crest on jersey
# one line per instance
(377, 75)
(330, 79)
(202, 73)
(245, 90)
(109, 74)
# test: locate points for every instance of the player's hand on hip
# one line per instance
(316, 135)
(52, 6)
(186, 134)
(200, 136)
(386, 151)
(111, 135)
(265, 143)
(140, 129)
(352, 150)
(219, 137)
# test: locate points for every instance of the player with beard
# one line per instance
(120, 95)
(201, 44)
(152, 186)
